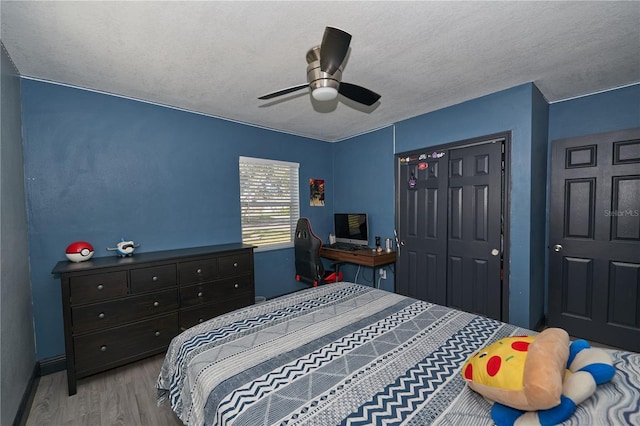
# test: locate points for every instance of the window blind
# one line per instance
(270, 202)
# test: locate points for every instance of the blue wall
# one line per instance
(17, 351)
(508, 110)
(538, 234)
(602, 112)
(98, 167)
(364, 176)
(101, 167)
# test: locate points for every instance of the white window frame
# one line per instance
(258, 229)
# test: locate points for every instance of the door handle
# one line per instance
(557, 248)
(495, 252)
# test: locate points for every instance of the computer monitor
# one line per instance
(351, 228)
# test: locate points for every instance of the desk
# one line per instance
(365, 257)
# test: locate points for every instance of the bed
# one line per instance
(352, 355)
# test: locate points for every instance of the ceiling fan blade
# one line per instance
(358, 93)
(333, 50)
(284, 91)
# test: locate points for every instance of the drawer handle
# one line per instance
(200, 294)
(157, 333)
(103, 348)
(198, 271)
(235, 264)
(236, 285)
(154, 278)
(156, 304)
(100, 287)
(101, 315)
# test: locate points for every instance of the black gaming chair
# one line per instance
(309, 267)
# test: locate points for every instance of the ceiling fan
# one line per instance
(324, 72)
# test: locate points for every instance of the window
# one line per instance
(269, 202)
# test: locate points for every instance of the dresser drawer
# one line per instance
(194, 316)
(215, 291)
(116, 312)
(198, 271)
(96, 351)
(97, 287)
(236, 264)
(153, 278)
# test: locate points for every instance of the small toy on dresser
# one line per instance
(124, 248)
(79, 251)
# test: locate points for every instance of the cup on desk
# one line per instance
(387, 243)
(332, 239)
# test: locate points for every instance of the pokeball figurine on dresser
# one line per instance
(79, 251)
(124, 248)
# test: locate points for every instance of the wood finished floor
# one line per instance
(122, 396)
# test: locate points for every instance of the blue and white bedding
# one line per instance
(351, 355)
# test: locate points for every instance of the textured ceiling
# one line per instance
(216, 58)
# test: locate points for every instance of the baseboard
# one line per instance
(542, 324)
(27, 398)
(53, 365)
(41, 368)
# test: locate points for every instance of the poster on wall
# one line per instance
(316, 190)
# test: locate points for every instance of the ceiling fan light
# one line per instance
(324, 93)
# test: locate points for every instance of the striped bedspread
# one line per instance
(351, 355)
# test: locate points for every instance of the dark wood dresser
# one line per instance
(119, 310)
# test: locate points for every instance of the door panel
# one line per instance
(624, 294)
(577, 287)
(626, 191)
(581, 199)
(594, 263)
(422, 228)
(449, 220)
(474, 234)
